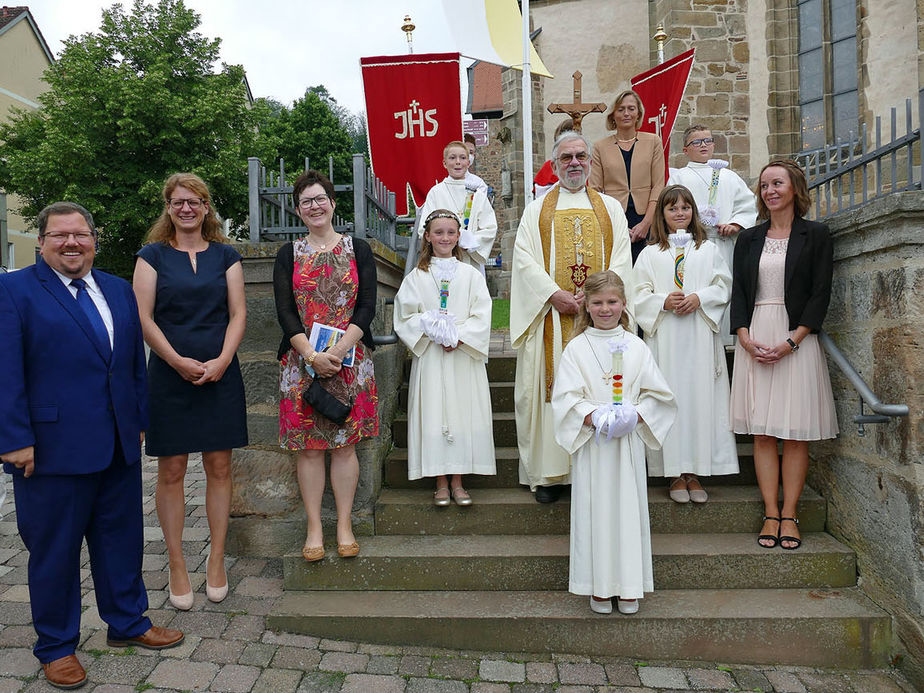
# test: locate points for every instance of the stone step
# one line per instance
(509, 562)
(502, 368)
(819, 627)
(730, 509)
(501, 396)
(508, 460)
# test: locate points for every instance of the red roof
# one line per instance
(485, 88)
(8, 14)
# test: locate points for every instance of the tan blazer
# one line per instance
(608, 170)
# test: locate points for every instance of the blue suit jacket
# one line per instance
(58, 390)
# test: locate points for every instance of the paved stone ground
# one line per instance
(228, 647)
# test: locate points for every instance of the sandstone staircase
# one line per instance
(493, 576)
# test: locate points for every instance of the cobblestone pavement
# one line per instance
(228, 647)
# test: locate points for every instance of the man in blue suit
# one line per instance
(72, 415)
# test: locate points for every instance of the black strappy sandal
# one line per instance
(775, 538)
(796, 540)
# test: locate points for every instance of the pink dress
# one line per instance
(325, 284)
(790, 399)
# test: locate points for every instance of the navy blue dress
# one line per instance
(191, 309)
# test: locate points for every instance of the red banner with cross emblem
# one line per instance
(413, 110)
(661, 89)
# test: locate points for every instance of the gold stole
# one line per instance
(566, 241)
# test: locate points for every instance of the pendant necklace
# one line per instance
(613, 376)
(321, 246)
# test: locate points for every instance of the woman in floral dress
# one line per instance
(327, 278)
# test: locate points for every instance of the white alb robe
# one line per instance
(690, 354)
(542, 462)
(450, 427)
(451, 194)
(734, 204)
(610, 531)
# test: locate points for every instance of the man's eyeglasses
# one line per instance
(700, 141)
(319, 200)
(566, 158)
(82, 237)
(194, 204)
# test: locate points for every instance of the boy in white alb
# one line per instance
(479, 225)
(726, 205)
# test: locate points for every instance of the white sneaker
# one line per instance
(627, 607)
(601, 607)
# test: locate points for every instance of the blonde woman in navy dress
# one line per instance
(190, 289)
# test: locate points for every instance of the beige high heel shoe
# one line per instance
(183, 602)
(215, 594)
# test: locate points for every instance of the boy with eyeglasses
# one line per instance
(726, 204)
(470, 203)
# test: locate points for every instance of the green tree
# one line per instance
(315, 127)
(126, 107)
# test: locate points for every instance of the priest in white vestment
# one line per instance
(563, 237)
(726, 205)
(690, 353)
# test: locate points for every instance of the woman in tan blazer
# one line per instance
(629, 165)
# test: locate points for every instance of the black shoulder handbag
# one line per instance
(325, 404)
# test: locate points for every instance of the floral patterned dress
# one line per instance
(325, 285)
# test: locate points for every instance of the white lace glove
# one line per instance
(614, 420)
(467, 240)
(440, 328)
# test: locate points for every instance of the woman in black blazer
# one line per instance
(780, 386)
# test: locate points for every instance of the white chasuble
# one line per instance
(537, 331)
(610, 532)
(471, 205)
(450, 427)
(732, 203)
(691, 355)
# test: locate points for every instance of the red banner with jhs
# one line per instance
(413, 109)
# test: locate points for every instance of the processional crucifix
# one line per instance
(577, 109)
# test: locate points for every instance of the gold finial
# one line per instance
(408, 29)
(660, 37)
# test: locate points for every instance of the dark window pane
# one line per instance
(810, 25)
(813, 125)
(846, 115)
(844, 57)
(811, 76)
(843, 19)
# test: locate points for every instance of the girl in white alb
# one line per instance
(609, 401)
(443, 315)
(682, 287)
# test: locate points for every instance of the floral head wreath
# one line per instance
(442, 214)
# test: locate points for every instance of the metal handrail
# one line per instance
(409, 264)
(884, 412)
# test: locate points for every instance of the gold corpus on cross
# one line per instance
(577, 109)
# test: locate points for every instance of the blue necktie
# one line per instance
(96, 320)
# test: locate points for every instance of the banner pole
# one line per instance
(527, 111)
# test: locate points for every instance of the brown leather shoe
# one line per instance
(65, 672)
(156, 638)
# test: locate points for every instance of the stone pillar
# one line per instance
(510, 199)
(783, 65)
(267, 515)
(874, 485)
(717, 92)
